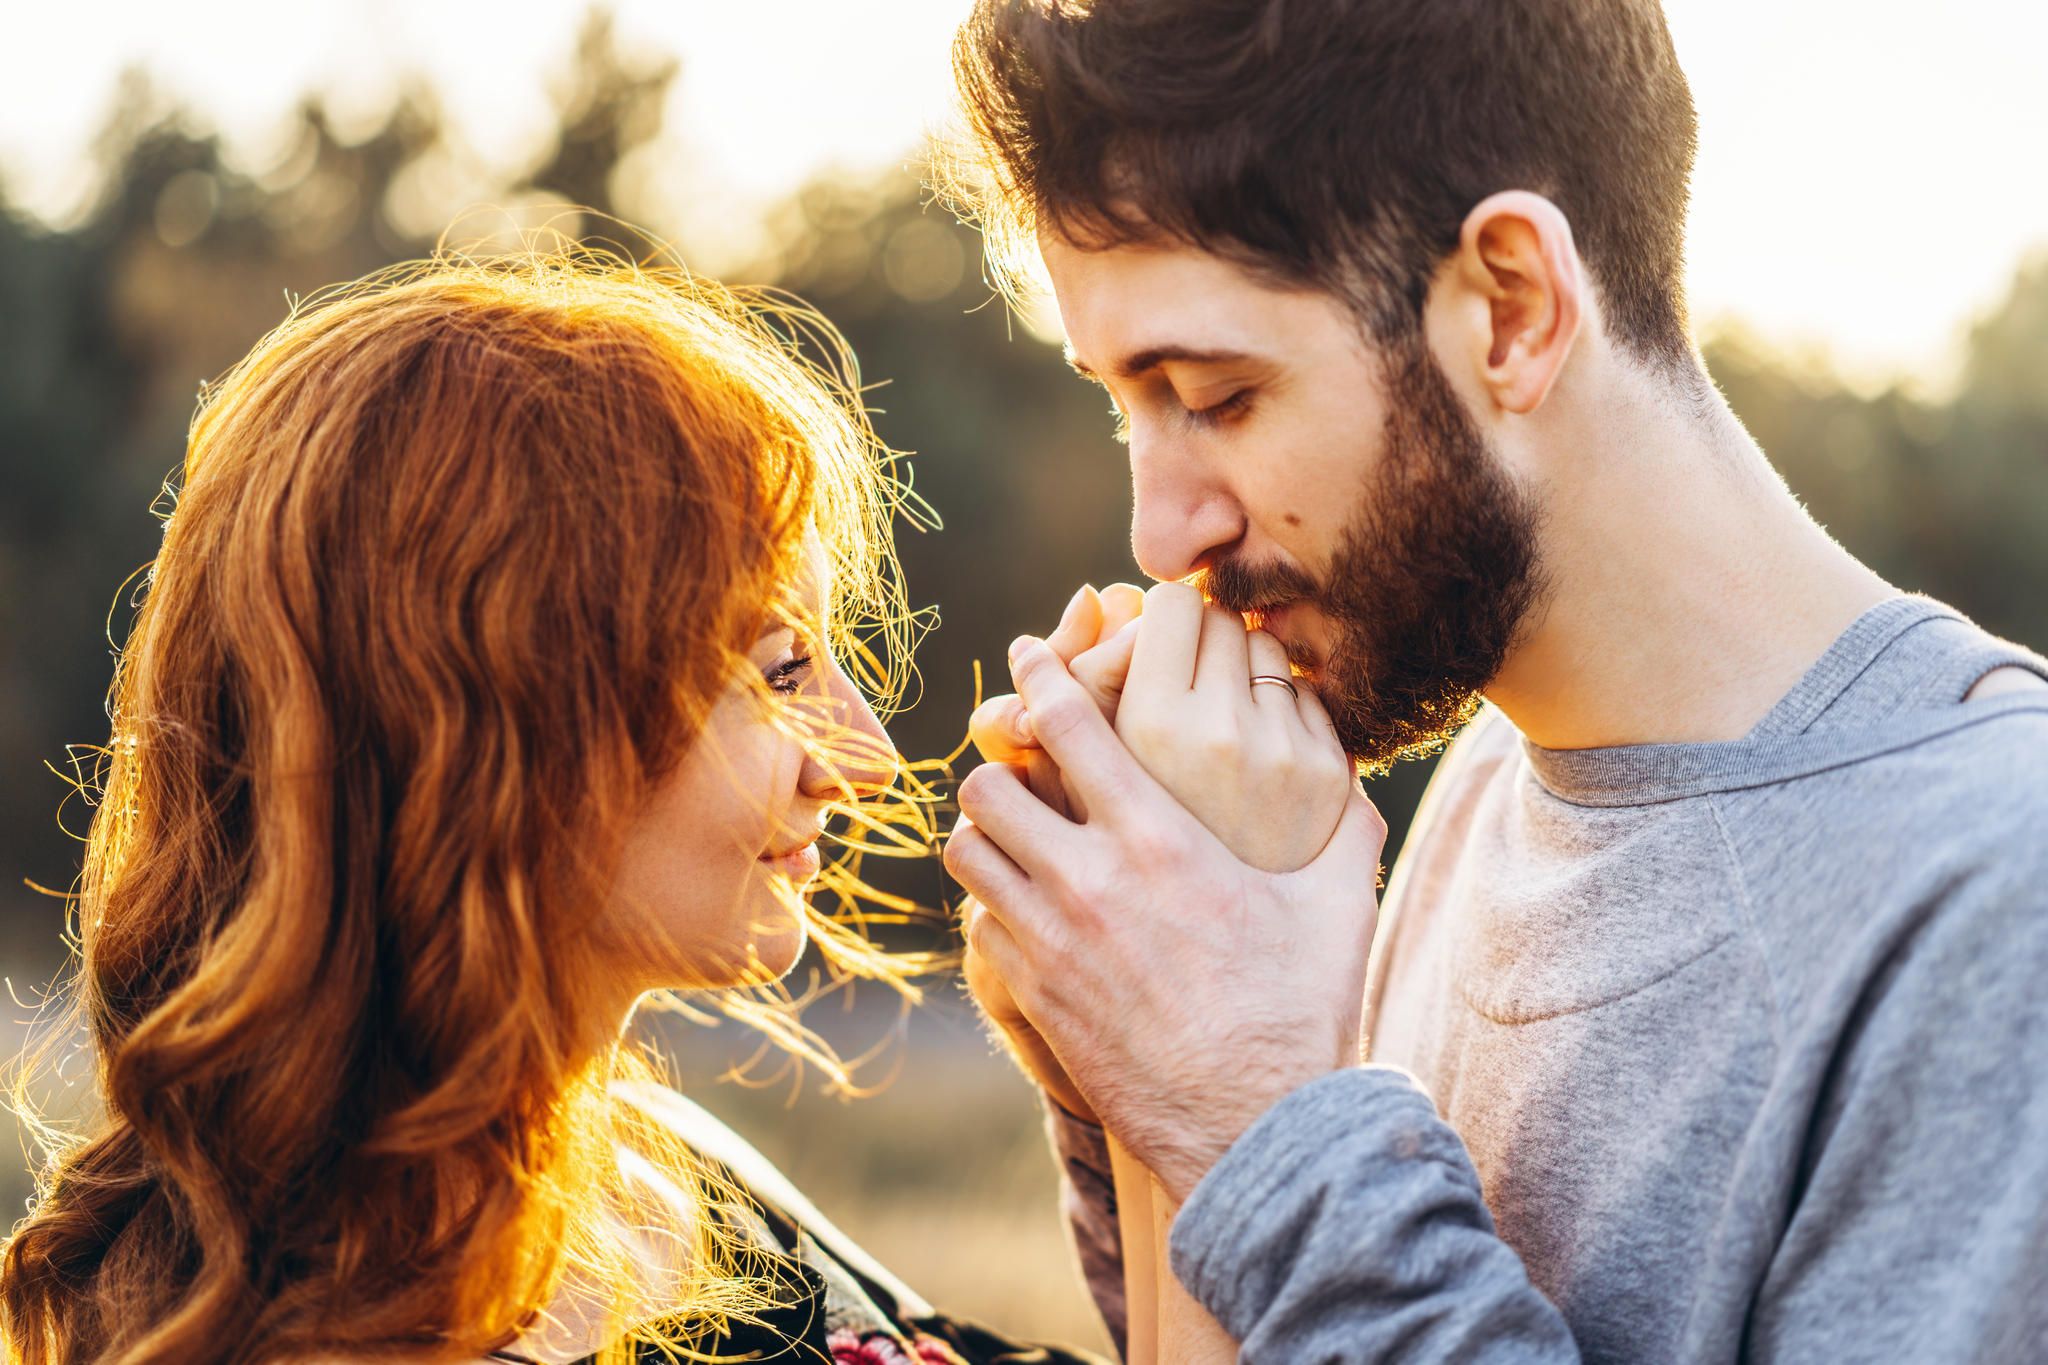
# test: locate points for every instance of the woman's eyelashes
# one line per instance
(789, 676)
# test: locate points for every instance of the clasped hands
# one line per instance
(1173, 874)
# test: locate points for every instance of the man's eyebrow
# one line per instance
(1152, 357)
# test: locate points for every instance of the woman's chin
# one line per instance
(772, 953)
(758, 949)
(780, 956)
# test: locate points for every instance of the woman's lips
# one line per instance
(799, 864)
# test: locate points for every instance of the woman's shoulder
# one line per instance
(763, 1180)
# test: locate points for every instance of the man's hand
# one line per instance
(1093, 637)
(1183, 991)
(1033, 1055)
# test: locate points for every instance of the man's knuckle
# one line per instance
(967, 867)
(976, 934)
(1151, 848)
(1061, 715)
(980, 787)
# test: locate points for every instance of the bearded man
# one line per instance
(1705, 1016)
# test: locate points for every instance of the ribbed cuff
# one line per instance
(1350, 1125)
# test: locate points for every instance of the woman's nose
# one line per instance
(851, 754)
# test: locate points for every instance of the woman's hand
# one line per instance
(1258, 763)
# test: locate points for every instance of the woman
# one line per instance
(487, 681)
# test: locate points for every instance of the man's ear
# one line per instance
(1520, 296)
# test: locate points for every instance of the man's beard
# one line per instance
(1431, 585)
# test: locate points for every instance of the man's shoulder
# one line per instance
(1472, 758)
(1478, 749)
(1933, 852)
(1972, 775)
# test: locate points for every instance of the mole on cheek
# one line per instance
(1293, 520)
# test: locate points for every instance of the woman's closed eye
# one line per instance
(789, 677)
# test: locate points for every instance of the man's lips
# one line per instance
(1292, 623)
(1273, 618)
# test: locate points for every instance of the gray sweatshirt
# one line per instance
(1697, 1052)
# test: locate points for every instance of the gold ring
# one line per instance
(1277, 681)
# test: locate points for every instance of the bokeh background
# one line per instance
(1867, 263)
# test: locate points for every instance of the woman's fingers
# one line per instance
(1103, 669)
(1122, 603)
(1094, 763)
(1220, 666)
(1268, 659)
(1080, 624)
(1163, 662)
(1001, 729)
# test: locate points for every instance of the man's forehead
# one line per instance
(1129, 309)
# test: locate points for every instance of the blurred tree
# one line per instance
(1950, 499)
(109, 324)
(609, 105)
(186, 258)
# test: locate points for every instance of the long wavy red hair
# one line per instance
(460, 557)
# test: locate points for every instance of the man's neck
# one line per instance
(1687, 589)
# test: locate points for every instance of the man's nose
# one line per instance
(1179, 515)
(851, 754)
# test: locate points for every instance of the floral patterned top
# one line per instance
(836, 1306)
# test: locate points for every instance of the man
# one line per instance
(1706, 1016)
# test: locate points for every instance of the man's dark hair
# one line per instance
(1338, 144)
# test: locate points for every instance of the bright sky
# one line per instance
(1871, 171)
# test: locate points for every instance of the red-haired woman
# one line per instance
(487, 680)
